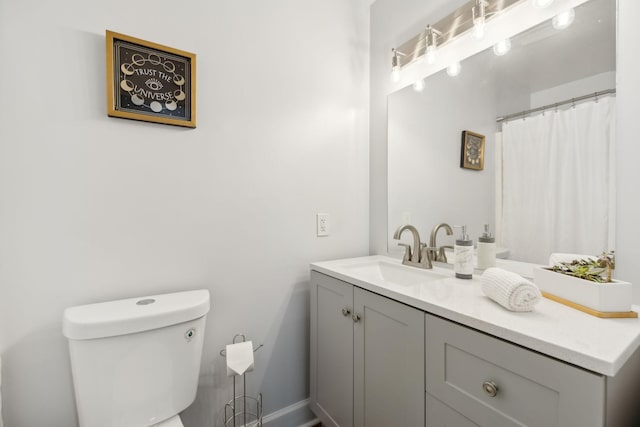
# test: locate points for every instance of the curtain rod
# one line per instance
(555, 106)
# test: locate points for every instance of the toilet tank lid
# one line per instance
(128, 316)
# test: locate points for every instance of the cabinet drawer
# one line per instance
(464, 368)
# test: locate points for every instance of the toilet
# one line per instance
(135, 362)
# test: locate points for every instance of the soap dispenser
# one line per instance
(486, 249)
(463, 254)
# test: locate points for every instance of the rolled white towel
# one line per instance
(557, 258)
(510, 290)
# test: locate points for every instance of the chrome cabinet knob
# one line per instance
(490, 388)
(346, 311)
(355, 317)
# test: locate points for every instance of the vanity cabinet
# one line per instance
(390, 361)
(367, 357)
(495, 383)
(440, 415)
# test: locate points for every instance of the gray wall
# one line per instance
(392, 23)
(95, 208)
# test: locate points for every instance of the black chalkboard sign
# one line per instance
(150, 82)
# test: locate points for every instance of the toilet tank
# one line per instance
(136, 362)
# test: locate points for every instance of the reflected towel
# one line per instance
(557, 258)
(510, 290)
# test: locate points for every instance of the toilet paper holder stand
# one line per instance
(244, 407)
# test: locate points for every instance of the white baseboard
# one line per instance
(301, 406)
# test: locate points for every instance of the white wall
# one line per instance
(392, 23)
(574, 89)
(95, 208)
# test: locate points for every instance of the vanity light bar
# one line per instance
(449, 27)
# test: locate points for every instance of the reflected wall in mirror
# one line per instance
(547, 182)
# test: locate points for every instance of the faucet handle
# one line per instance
(407, 251)
(427, 254)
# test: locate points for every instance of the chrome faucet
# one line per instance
(420, 255)
(440, 255)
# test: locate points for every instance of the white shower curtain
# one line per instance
(558, 183)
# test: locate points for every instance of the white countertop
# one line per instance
(599, 345)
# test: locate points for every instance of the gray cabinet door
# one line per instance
(331, 350)
(389, 362)
(440, 415)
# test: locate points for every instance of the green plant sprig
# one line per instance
(594, 270)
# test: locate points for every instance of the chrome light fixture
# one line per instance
(431, 41)
(479, 15)
(563, 19)
(395, 66)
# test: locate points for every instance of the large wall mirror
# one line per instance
(547, 183)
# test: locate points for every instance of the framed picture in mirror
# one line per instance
(472, 151)
(150, 82)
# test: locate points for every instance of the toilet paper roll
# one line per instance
(239, 358)
(171, 422)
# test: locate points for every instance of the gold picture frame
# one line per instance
(150, 82)
(472, 150)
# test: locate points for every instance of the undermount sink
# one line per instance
(392, 273)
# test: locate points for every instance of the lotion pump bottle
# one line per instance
(486, 249)
(463, 250)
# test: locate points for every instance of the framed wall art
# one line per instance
(150, 82)
(472, 151)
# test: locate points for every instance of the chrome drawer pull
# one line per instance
(355, 317)
(490, 388)
(346, 311)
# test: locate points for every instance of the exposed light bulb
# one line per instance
(479, 18)
(478, 29)
(454, 69)
(418, 86)
(502, 47)
(431, 55)
(431, 41)
(395, 76)
(541, 3)
(563, 19)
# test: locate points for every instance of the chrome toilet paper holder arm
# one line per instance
(223, 352)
